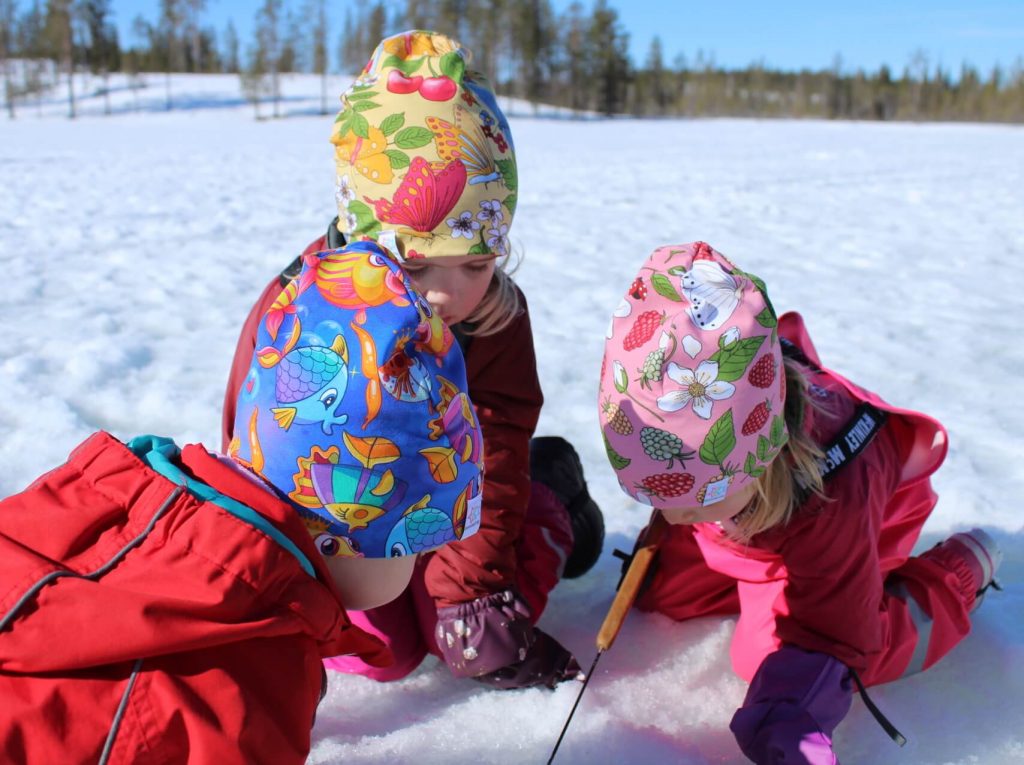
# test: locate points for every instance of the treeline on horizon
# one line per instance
(578, 59)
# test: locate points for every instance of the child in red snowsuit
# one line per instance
(429, 172)
(160, 604)
(796, 498)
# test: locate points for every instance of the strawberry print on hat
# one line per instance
(690, 405)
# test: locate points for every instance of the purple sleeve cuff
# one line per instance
(794, 702)
(485, 634)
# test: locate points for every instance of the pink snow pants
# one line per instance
(406, 624)
(923, 613)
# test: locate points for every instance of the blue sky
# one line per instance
(790, 34)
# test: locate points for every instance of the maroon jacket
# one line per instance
(503, 384)
(821, 581)
(139, 620)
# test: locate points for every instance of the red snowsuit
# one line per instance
(524, 537)
(838, 579)
(137, 617)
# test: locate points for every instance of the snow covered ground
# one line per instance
(132, 246)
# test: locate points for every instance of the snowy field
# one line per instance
(132, 247)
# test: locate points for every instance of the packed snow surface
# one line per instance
(133, 245)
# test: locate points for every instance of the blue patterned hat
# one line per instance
(355, 408)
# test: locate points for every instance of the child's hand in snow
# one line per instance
(493, 640)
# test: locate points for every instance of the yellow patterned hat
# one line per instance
(425, 159)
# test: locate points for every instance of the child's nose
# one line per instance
(437, 297)
(438, 300)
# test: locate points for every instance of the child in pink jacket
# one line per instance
(795, 499)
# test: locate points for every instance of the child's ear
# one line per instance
(370, 582)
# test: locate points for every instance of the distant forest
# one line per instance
(578, 59)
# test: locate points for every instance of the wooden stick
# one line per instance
(630, 585)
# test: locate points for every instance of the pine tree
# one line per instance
(191, 13)
(231, 63)
(374, 29)
(449, 18)
(61, 42)
(657, 92)
(534, 33)
(169, 32)
(884, 100)
(7, 52)
(609, 44)
(32, 45)
(254, 77)
(291, 57)
(1013, 92)
(577, 57)
(350, 47)
(102, 53)
(838, 102)
(318, 13)
(268, 47)
(209, 51)
(679, 78)
(419, 14)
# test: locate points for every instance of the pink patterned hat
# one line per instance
(692, 388)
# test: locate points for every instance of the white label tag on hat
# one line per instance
(473, 508)
(387, 240)
(715, 492)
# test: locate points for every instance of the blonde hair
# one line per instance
(499, 306)
(794, 473)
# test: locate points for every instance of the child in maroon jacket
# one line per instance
(795, 499)
(428, 171)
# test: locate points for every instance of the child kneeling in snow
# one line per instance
(794, 496)
(426, 166)
(172, 605)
